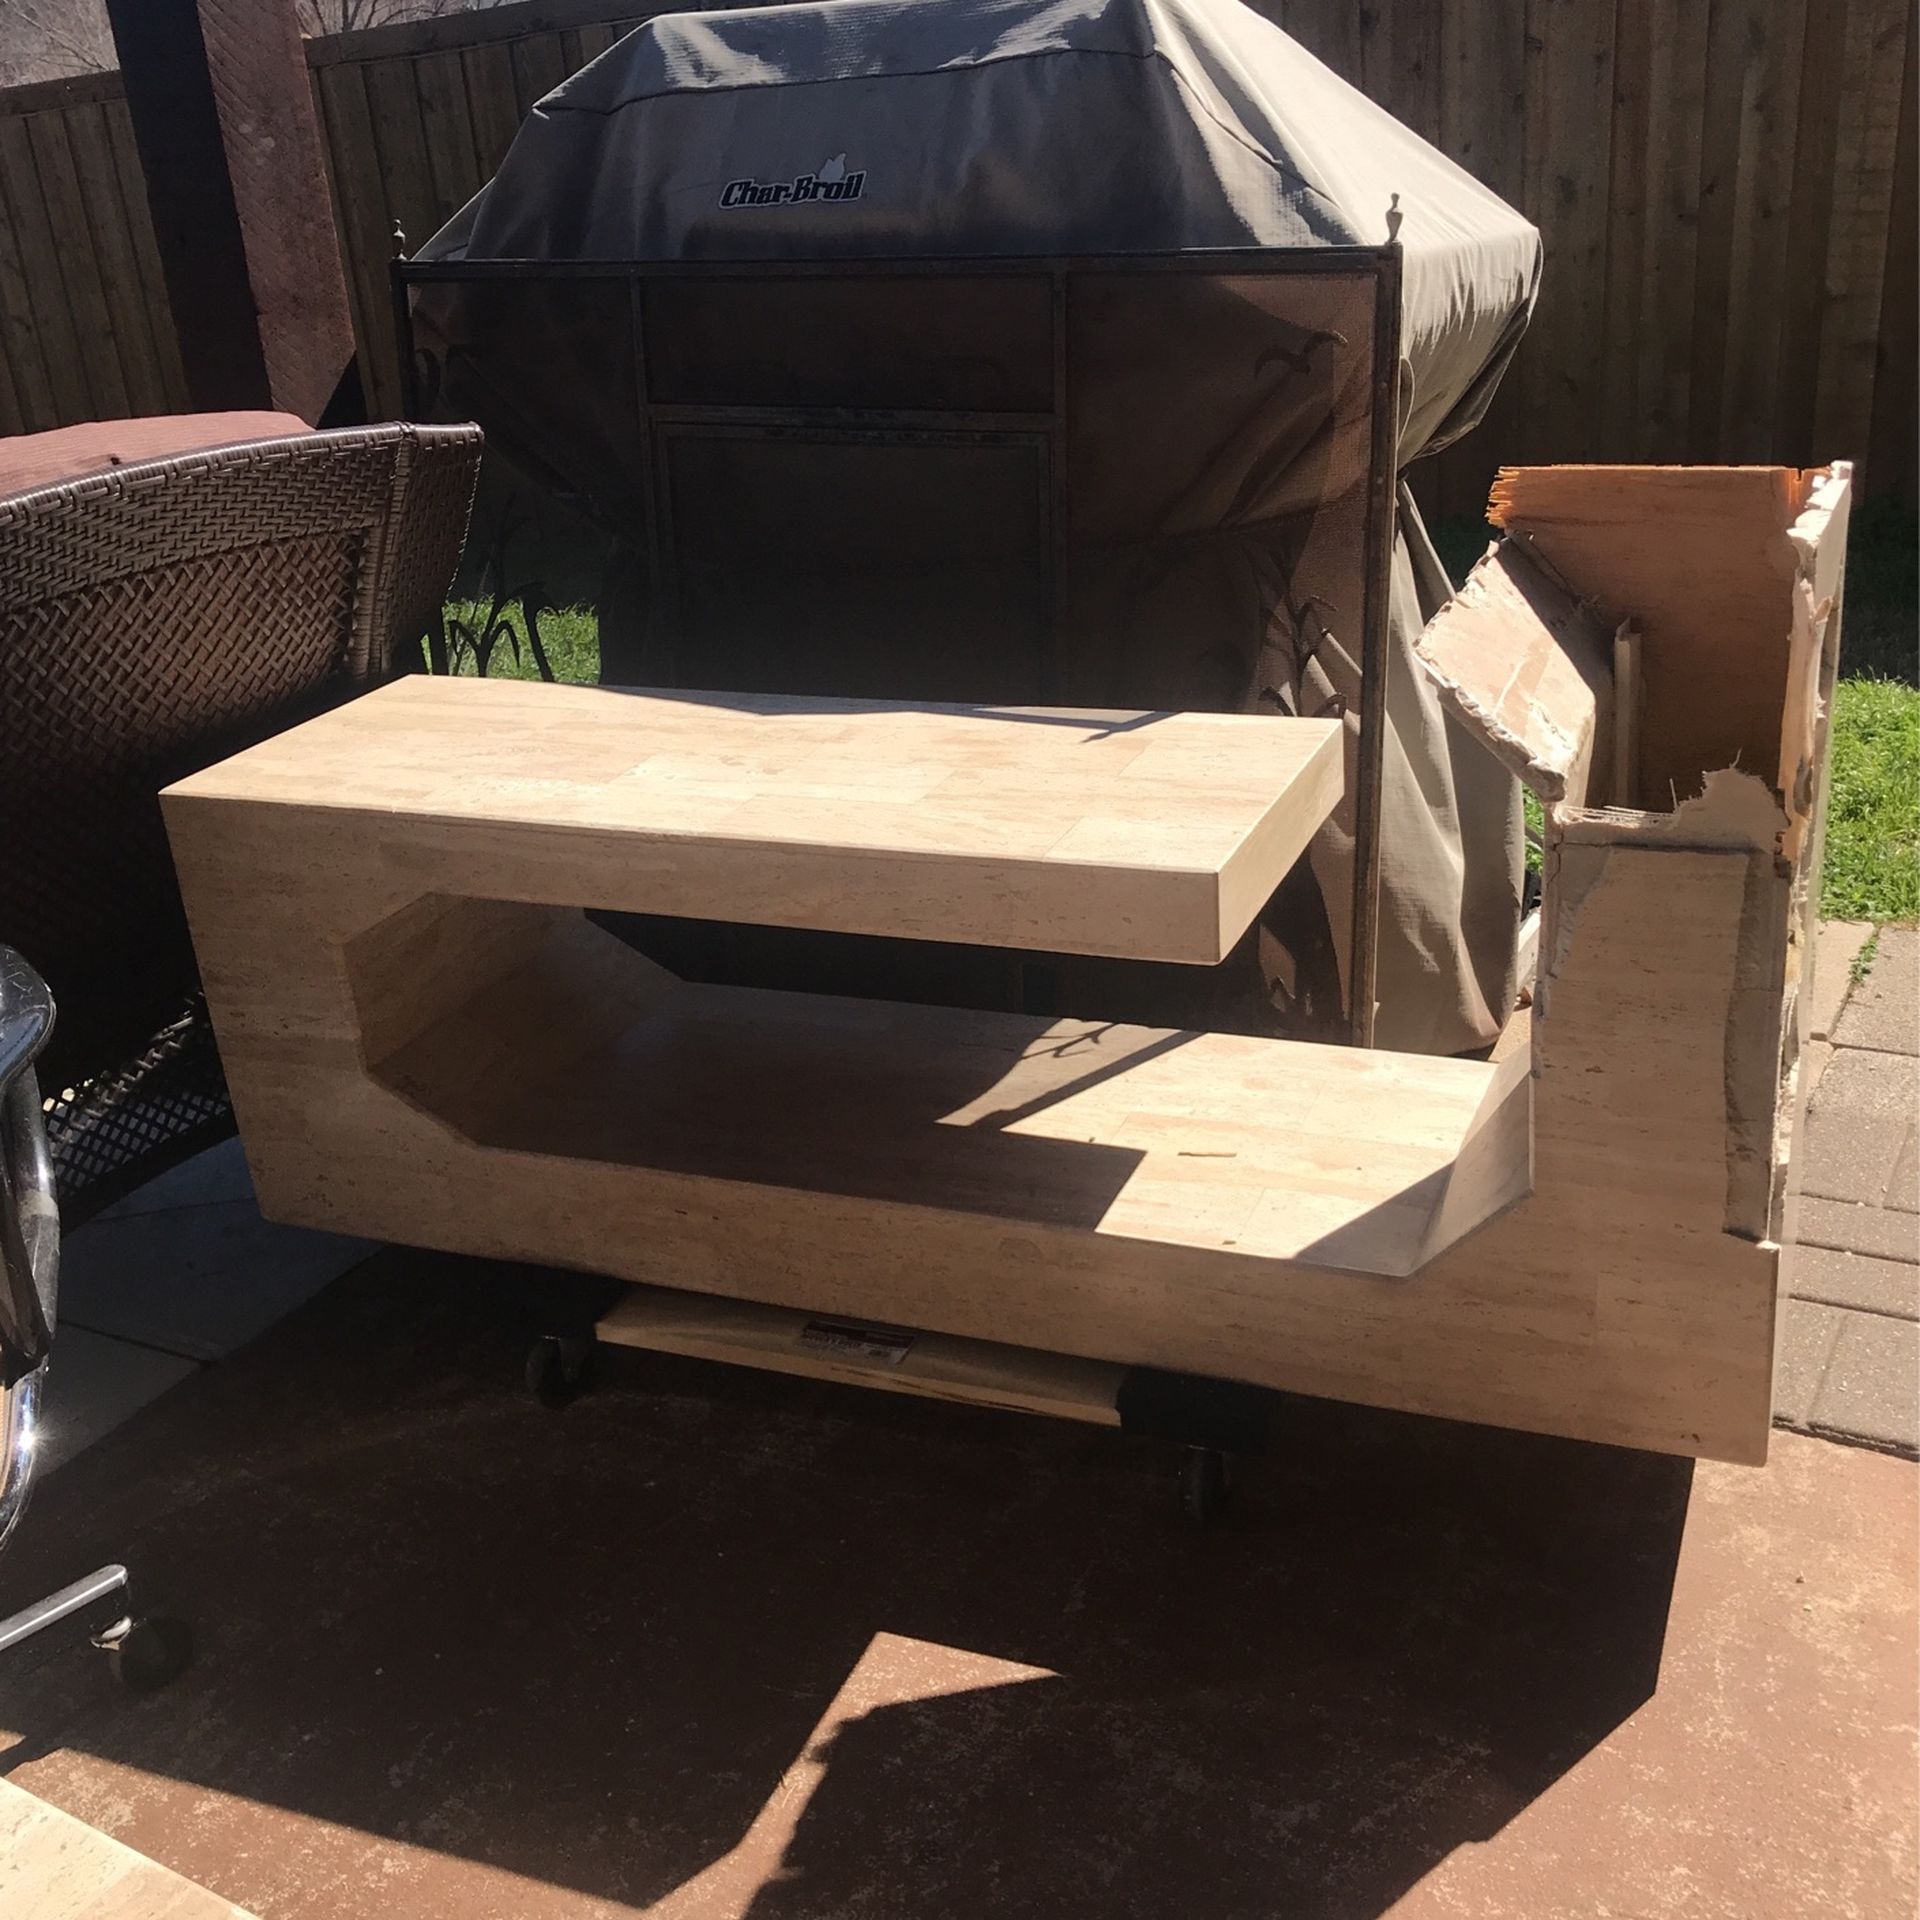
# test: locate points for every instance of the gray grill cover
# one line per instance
(995, 127)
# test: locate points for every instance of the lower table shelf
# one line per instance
(1332, 1156)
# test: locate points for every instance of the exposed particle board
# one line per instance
(1699, 559)
(1526, 964)
(1528, 668)
(1819, 537)
(1629, 696)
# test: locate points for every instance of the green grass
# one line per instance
(1872, 867)
(571, 636)
(1864, 959)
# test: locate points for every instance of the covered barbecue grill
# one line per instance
(1058, 351)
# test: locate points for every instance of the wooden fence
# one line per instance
(1726, 189)
(85, 333)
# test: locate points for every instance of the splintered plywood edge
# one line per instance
(1136, 835)
(1701, 561)
(55, 1867)
(1819, 537)
(1629, 682)
(1732, 809)
(1528, 668)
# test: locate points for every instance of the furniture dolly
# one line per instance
(428, 1041)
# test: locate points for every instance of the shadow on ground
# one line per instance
(586, 1647)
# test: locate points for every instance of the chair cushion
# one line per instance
(30, 460)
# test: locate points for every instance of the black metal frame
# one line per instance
(1045, 432)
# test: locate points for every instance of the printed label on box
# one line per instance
(857, 1343)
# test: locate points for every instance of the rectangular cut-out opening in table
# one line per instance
(1268, 1149)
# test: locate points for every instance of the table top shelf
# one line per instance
(1136, 835)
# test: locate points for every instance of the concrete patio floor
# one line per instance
(711, 1644)
(719, 1644)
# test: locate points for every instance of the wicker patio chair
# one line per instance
(153, 618)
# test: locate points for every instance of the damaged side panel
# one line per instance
(1529, 668)
(1700, 609)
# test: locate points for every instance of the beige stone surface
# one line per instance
(54, 1867)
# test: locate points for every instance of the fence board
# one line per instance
(27, 393)
(365, 226)
(1328, 29)
(491, 26)
(1769, 40)
(13, 406)
(67, 214)
(1891, 454)
(447, 123)
(1725, 188)
(1873, 70)
(1568, 174)
(538, 67)
(128, 325)
(1632, 181)
(1413, 66)
(1668, 267)
(1483, 126)
(491, 103)
(45, 289)
(1805, 263)
(146, 252)
(400, 142)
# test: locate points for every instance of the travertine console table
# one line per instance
(427, 1041)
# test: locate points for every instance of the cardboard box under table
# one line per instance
(429, 1041)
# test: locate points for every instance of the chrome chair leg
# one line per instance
(144, 1653)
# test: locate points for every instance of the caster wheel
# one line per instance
(557, 1369)
(1205, 1482)
(146, 1654)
